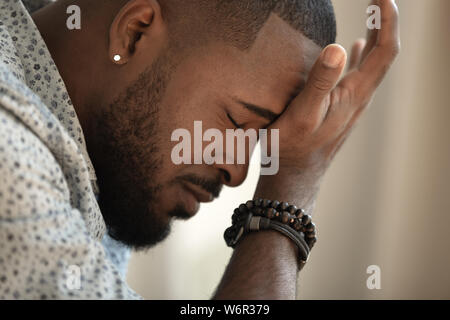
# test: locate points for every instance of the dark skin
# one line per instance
(314, 113)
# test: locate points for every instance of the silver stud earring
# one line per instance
(117, 58)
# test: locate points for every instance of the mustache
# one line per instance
(213, 186)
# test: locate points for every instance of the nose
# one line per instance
(233, 175)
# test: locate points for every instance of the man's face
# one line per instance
(141, 189)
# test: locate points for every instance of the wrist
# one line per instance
(264, 214)
(292, 185)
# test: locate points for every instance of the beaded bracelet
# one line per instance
(287, 219)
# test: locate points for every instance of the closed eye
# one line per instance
(238, 126)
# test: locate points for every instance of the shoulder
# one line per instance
(30, 177)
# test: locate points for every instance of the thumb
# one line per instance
(321, 81)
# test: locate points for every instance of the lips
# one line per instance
(199, 193)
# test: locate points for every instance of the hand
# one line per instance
(320, 118)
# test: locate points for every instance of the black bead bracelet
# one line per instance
(262, 214)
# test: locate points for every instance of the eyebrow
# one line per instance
(262, 112)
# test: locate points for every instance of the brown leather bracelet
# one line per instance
(259, 214)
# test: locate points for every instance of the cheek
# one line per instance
(186, 123)
(191, 95)
(183, 106)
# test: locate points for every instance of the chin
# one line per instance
(141, 224)
(142, 237)
(140, 229)
(183, 204)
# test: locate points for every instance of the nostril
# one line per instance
(226, 175)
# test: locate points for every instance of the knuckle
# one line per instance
(346, 94)
(363, 101)
(321, 83)
(347, 87)
(390, 50)
(306, 126)
(361, 98)
(395, 48)
(302, 128)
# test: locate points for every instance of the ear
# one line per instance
(138, 19)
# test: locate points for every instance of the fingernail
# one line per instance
(333, 56)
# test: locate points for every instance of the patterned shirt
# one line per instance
(52, 233)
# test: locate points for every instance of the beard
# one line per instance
(128, 156)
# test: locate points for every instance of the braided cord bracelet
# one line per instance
(259, 214)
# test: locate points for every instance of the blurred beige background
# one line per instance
(385, 201)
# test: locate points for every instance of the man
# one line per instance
(113, 92)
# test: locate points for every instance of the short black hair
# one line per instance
(239, 21)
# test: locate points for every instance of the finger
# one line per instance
(338, 116)
(374, 67)
(309, 105)
(355, 57)
(346, 132)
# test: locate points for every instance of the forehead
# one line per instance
(268, 75)
(277, 65)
